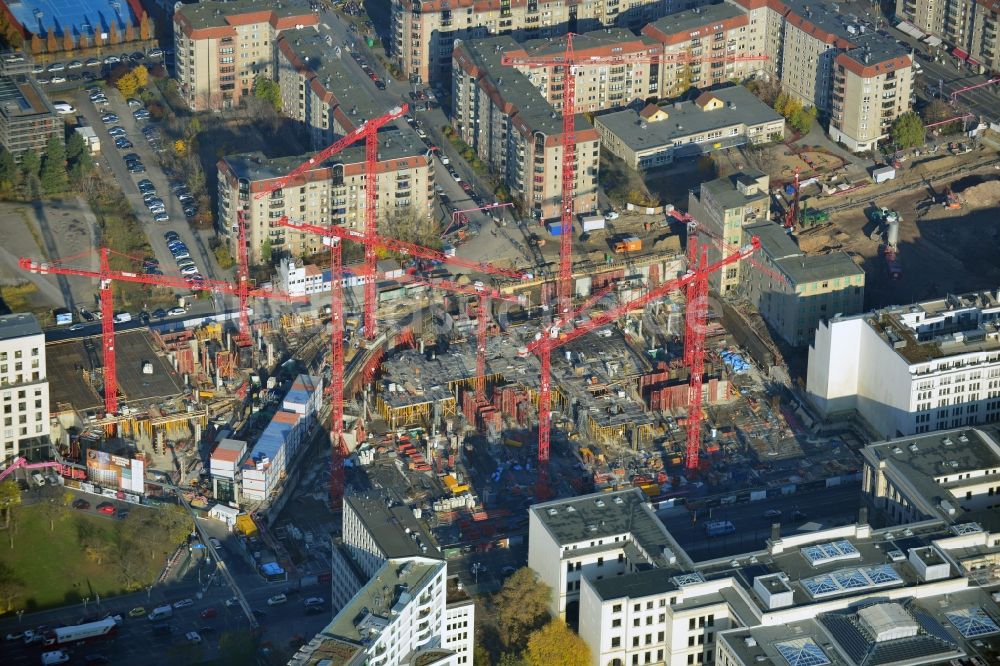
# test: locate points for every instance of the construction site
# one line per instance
(463, 389)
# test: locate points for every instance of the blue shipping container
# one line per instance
(555, 228)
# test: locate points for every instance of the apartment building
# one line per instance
(24, 388)
(424, 33)
(813, 41)
(222, 47)
(657, 136)
(332, 192)
(321, 86)
(402, 616)
(517, 133)
(795, 291)
(948, 475)
(983, 51)
(636, 608)
(27, 119)
(871, 88)
(704, 47)
(911, 369)
(604, 84)
(954, 21)
(374, 532)
(725, 206)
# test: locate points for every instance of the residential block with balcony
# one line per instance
(517, 132)
(872, 87)
(329, 193)
(222, 47)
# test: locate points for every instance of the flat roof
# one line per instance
(515, 88)
(338, 74)
(692, 19)
(302, 389)
(21, 97)
(214, 13)
(81, 17)
(398, 581)
(602, 515)
(66, 361)
(686, 119)
(230, 450)
(800, 267)
(636, 585)
(725, 192)
(392, 528)
(18, 325)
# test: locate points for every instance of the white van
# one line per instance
(38, 478)
(122, 317)
(63, 108)
(161, 613)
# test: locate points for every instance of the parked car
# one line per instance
(109, 118)
(176, 312)
(183, 603)
(57, 67)
(277, 600)
(209, 613)
(107, 508)
(192, 637)
(81, 504)
(161, 217)
(112, 60)
(138, 611)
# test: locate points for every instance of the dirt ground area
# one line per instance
(45, 230)
(941, 250)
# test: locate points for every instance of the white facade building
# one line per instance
(671, 611)
(911, 369)
(594, 537)
(24, 387)
(400, 617)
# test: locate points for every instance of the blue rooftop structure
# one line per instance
(80, 17)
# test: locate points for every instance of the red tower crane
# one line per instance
(368, 130)
(544, 345)
(369, 238)
(792, 215)
(107, 276)
(569, 61)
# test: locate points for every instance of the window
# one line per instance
(616, 641)
(617, 608)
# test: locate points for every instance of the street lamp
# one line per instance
(149, 593)
(86, 600)
(20, 613)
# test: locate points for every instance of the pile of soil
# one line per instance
(983, 195)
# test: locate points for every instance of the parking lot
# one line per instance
(61, 75)
(141, 177)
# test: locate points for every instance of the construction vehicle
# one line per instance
(949, 199)
(628, 244)
(888, 221)
(812, 216)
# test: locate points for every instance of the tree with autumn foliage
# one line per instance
(520, 607)
(145, 28)
(51, 45)
(556, 644)
(68, 43)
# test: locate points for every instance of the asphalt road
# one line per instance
(949, 75)
(828, 507)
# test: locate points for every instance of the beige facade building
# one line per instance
(656, 136)
(24, 388)
(725, 206)
(812, 41)
(331, 193)
(320, 86)
(719, 34)
(951, 20)
(598, 86)
(222, 47)
(871, 88)
(512, 128)
(983, 35)
(424, 32)
(794, 291)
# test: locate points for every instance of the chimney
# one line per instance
(863, 516)
(775, 531)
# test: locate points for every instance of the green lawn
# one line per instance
(83, 557)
